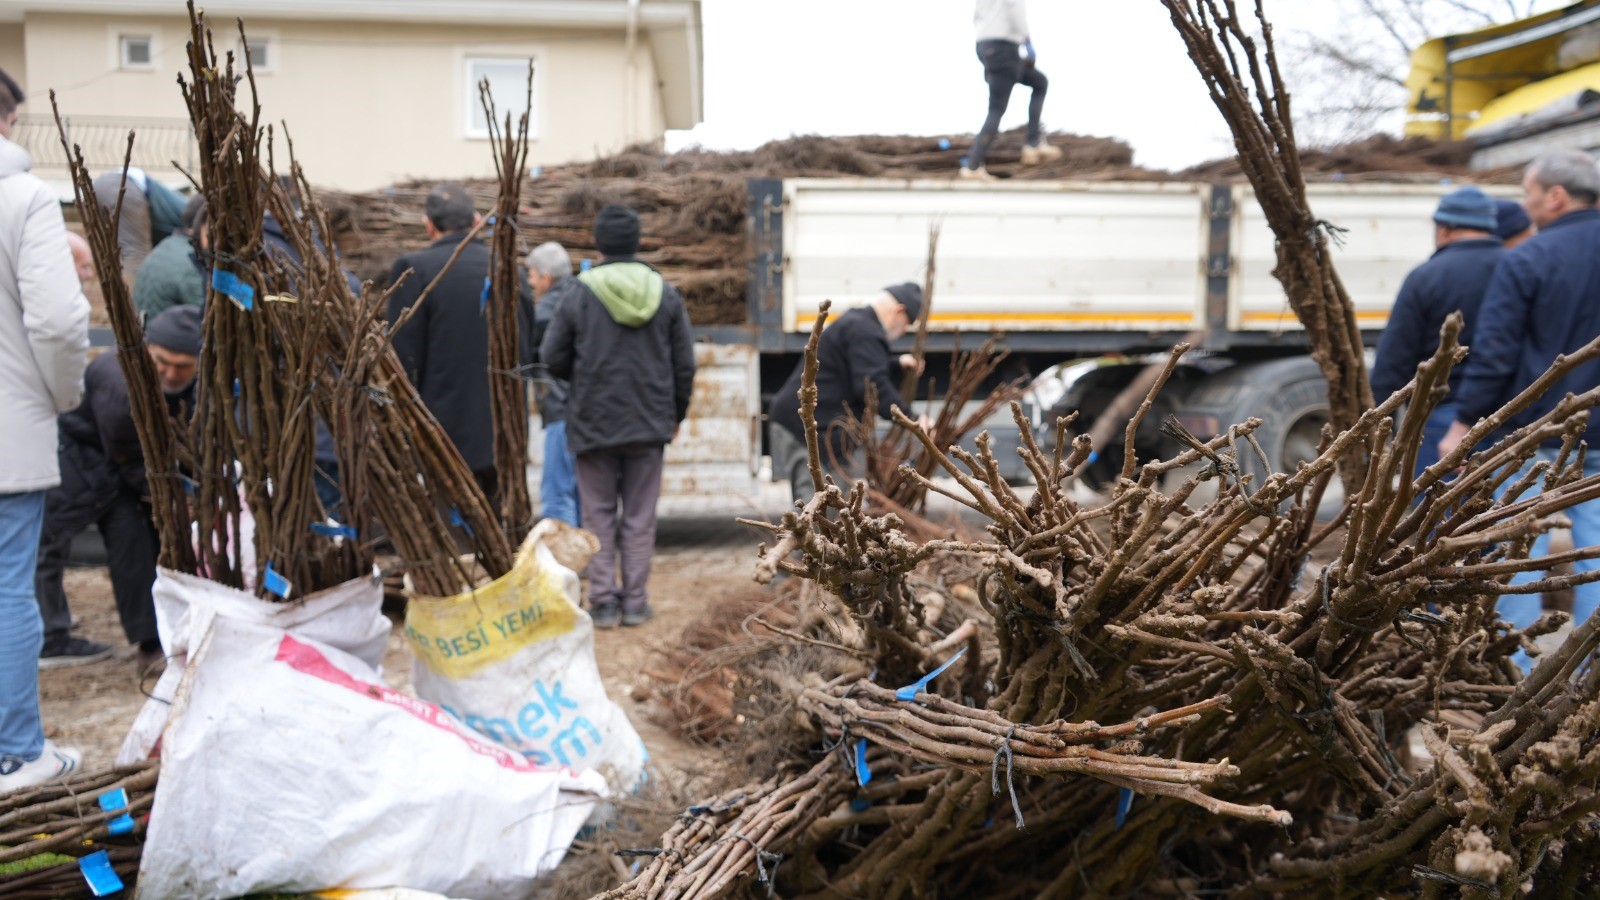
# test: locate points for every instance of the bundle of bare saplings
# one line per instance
(290, 348)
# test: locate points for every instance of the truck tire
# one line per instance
(1289, 396)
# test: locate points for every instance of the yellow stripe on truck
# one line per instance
(1176, 318)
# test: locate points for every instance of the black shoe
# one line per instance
(637, 617)
(71, 651)
(606, 617)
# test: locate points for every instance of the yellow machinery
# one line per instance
(1544, 69)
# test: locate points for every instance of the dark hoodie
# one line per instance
(623, 339)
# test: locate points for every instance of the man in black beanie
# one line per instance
(623, 339)
(103, 481)
(854, 352)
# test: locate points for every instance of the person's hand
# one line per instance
(925, 423)
(911, 363)
(1452, 438)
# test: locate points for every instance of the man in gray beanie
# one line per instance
(622, 338)
(854, 352)
(103, 482)
(1453, 279)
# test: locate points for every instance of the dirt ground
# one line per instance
(699, 559)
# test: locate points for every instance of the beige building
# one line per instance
(373, 91)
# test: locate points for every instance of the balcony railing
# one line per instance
(160, 146)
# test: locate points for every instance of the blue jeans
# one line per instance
(558, 483)
(21, 631)
(1523, 610)
(1433, 431)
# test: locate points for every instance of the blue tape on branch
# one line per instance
(97, 871)
(910, 691)
(276, 583)
(1124, 803)
(944, 143)
(111, 801)
(459, 522)
(863, 774)
(483, 302)
(237, 290)
(1093, 456)
(333, 530)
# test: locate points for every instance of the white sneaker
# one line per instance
(978, 174)
(1032, 155)
(54, 764)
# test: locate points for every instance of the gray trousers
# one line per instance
(631, 474)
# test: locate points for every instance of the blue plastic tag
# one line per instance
(333, 530)
(483, 301)
(944, 143)
(97, 871)
(111, 801)
(459, 522)
(237, 290)
(863, 774)
(910, 691)
(1124, 803)
(276, 583)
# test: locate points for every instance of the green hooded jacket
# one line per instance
(630, 291)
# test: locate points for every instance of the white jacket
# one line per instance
(44, 326)
(1001, 20)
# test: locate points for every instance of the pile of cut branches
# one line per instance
(1157, 697)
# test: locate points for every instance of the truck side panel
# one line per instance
(1036, 256)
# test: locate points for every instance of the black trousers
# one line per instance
(1004, 69)
(131, 548)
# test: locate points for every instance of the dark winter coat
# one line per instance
(854, 352)
(624, 341)
(1543, 301)
(1454, 278)
(552, 391)
(170, 276)
(99, 447)
(444, 348)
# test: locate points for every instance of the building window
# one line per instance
(137, 52)
(261, 54)
(508, 85)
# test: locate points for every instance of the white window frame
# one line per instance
(258, 38)
(468, 90)
(120, 48)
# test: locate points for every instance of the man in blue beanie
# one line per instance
(1539, 306)
(1454, 278)
(1512, 225)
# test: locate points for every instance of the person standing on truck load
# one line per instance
(103, 481)
(444, 347)
(853, 353)
(624, 342)
(1454, 278)
(1543, 301)
(44, 343)
(550, 276)
(1512, 225)
(172, 275)
(1002, 27)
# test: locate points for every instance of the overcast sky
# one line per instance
(1117, 67)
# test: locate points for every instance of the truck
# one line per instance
(1082, 281)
